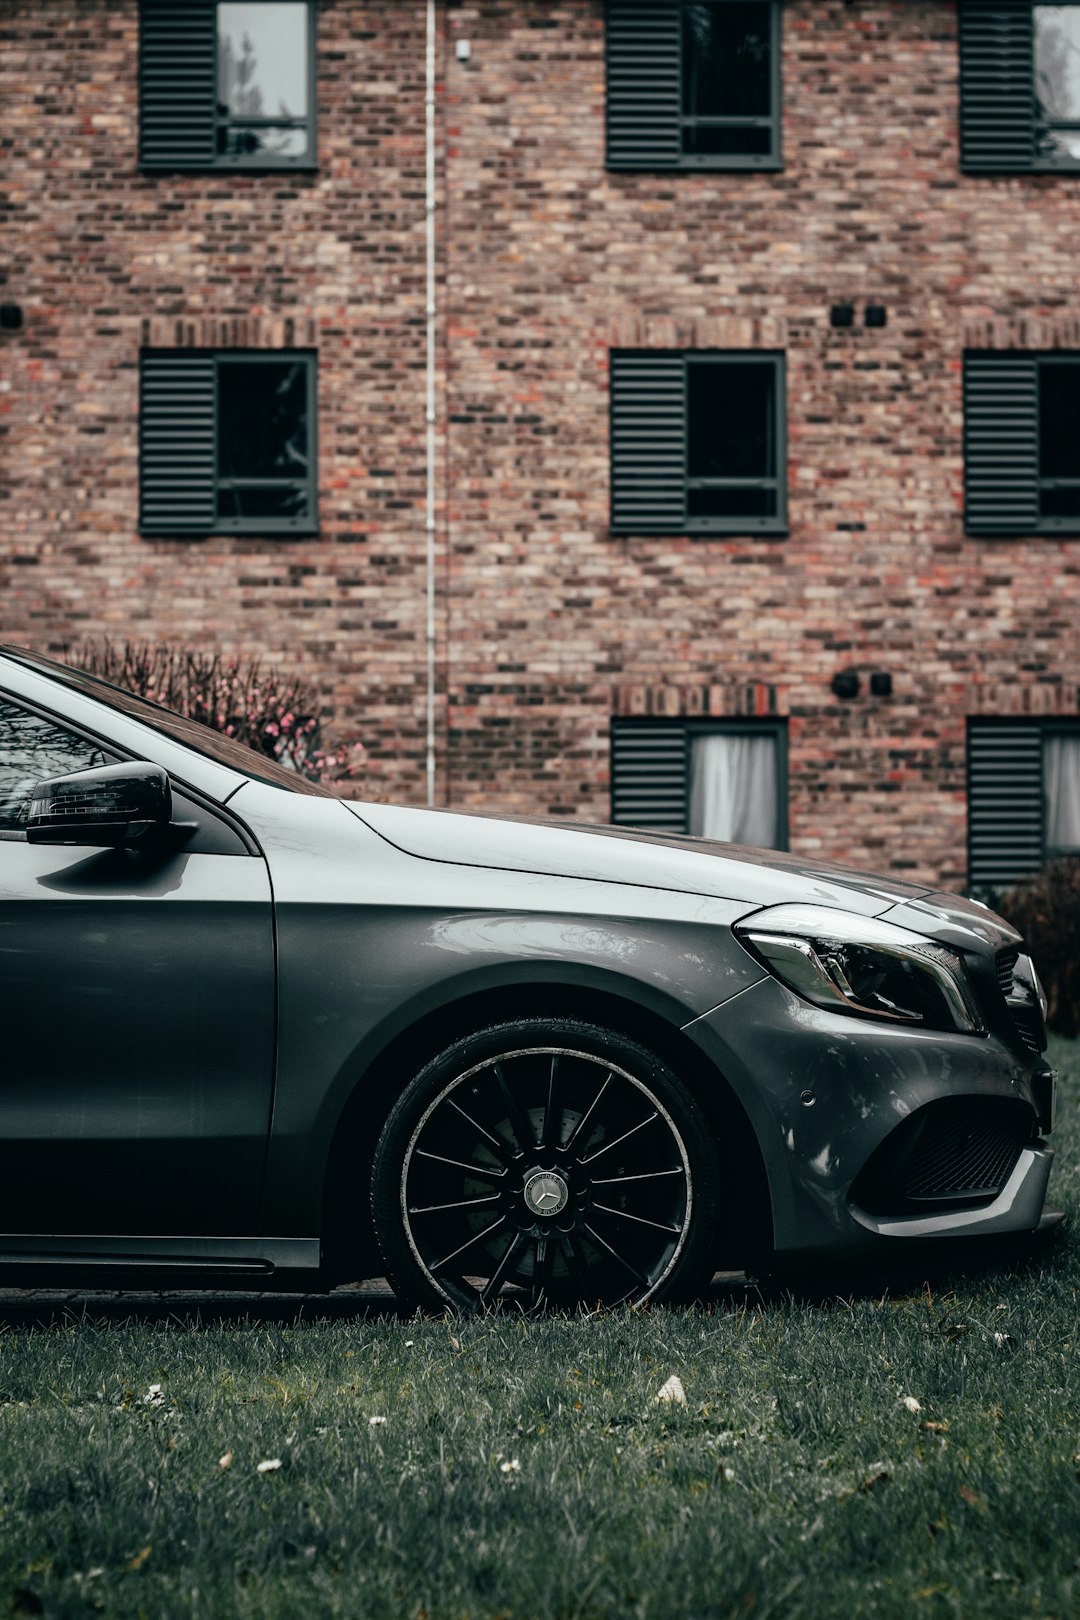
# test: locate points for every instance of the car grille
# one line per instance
(1026, 1020)
(1006, 961)
(1028, 1027)
(958, 1151)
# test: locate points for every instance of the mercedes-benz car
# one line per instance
(256, 1035)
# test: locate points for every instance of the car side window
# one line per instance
(33, 748)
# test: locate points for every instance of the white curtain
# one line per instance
(1061, 779)
(733, 789)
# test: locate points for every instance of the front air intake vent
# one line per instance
(961, 1157)
(955, 1153)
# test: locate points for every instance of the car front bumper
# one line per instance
(828, 1096)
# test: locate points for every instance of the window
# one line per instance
(227, 84)
(1023, 797)
(227, 443)
(33, 748)
(693, 86)
(698, 442)
(1057, 85)
(1021, 447)
(714, 779)
(1019, 86)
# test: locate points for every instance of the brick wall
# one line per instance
(553, 261)
(547, 624)
(104, 259)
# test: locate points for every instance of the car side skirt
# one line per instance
(253, 1256)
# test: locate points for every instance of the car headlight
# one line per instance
(862, 966)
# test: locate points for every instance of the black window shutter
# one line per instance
(997, 87)
(177, 89)
(643, 91)
(1005, 806)
(648, 442)
(1001, 443)
(649, 775)
(177, 451)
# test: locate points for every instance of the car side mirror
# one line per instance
(110, 807)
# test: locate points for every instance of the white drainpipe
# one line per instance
(429, 108)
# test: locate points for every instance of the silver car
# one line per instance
(259, 1036)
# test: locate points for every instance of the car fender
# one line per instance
(373, 942)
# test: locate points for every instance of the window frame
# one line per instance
(262, 527)
(254, 162)
(705, 527)
(1057, 727)
(692, 727)
(275, 525)
(154, 101)
(772, 159)
(777, 481)
(644, 132)
(1043, 163)
(1069, 524)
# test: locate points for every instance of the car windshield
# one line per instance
(191, 733)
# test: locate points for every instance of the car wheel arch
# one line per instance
(348, 1237)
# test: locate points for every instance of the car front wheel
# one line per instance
(550, 1160)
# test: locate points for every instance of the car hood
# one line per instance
(755, 877)
(646, 860)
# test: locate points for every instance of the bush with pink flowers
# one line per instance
(273, 712)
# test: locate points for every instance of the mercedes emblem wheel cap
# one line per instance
(546, 1193)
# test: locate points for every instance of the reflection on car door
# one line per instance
(138, 1005)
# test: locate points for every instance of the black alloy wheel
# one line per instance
(549, 1161)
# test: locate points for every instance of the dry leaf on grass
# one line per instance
(672, 1391)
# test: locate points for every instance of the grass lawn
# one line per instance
(520, 1468)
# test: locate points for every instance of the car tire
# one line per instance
(548, 1160)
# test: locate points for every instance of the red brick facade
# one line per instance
(547, 625)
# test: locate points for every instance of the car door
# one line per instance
(137, 1001)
